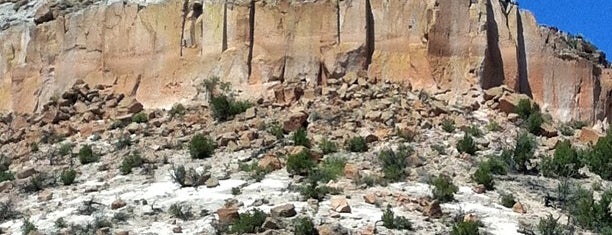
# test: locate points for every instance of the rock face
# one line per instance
(158, 55)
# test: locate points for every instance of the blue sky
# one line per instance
(591, 18)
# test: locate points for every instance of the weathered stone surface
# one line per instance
(227, 215)
(340, 204)
(287, 210)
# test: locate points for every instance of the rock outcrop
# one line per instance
(158, 53)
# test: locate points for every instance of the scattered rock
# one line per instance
(118, 204)
(370, 198)
(212, 182)
(177, 229)
(588, 135)
(227, 215)
(295, 121)
(519, 208)
(433, 209)
(340, 204)
(480, 189)
(45, 195)
(270, 162)
(271, 223)
(287, 210)
(351, 171)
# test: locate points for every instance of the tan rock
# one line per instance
(548, 130)
(470, 218)
(509, 102)
(588, 135)
(519, 208)
(25, 173)
(227, 215)
(340, 204)
(370, 198)
(351, 171)
(295, 121)
(270, 162)
(45, 195)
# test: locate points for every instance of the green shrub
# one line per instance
(551, 226)
(483, 176)
(439, 148)
(467, 145)
(141, 117)
(566, 130)
(300, 163)
(129, 162)
(68, 176)
(65, 149)
(524, 109)
(6, 176)
(507, 200)
(370, 180)
(180, 212)
(444, 189)
(276, 130)
(249, 222)
(36, 183)
(534, 122)
(565, 162)
(312, 190)
(493, 126)
(201, 147)
(225, 108)
(588, 213)
(328, 146)
(599, 158)
(177, 110)
(473, 130)
(87, 155)
(28, 227)
(448, 125)
(357, 145)
(236, 191)
(330, 169)
(465, 228)
(304, 226)
(7, 211)
(494, 166)
(578, 124)
(123, 142)
(391, 221)
(523, 151)
(394, 163)
(300, 138)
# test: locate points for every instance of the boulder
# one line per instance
(286, 210)
(227, 215)
(519, 208)
(294, 121)
(118, 204)
(433, 209)
(588, 135)
(270, 162)
(509, 102)
(340, 204)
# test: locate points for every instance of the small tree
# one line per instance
(87, 155)
(467, 145)
(444, 189)
(300, 138)
(523, 151)
(68, 176)
(300, 164)
(201, 147)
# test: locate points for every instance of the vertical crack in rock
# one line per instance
(493, 74)
(370, 44)
(224, 43)
(251, 37)
(338, 21)
(524, 86)
(185, 9)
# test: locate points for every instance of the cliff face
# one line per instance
(265, 46)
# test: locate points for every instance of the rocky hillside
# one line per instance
(362, 158)
(159, 51)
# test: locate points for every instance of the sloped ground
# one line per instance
(140, 202)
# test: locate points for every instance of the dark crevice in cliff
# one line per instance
(251, 37)
(521, 56)
(601, 115)
(338, 21)
(370, 44)
(493, 74)
(185, 11)
(224, 43)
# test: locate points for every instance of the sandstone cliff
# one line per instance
(268, 47)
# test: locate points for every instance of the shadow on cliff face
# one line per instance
(370, 37)
(524, 86)
(493, 74)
